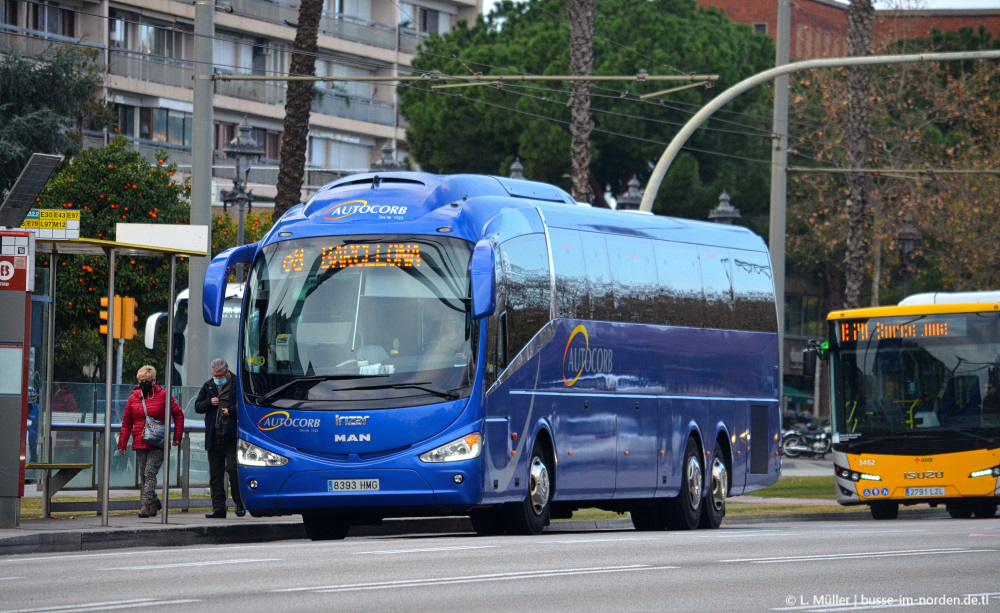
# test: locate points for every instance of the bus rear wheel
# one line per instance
(325, 526)
(885, 510)
(684, 511)
(714, 507)
(531, 515)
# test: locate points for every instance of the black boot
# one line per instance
(216, 514)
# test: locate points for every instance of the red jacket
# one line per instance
(134, 420)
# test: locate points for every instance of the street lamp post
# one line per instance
(725, 212)
(632, 196)
(908, 237)
(245, 152)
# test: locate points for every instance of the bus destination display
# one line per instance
(900, 327)
(400, 255)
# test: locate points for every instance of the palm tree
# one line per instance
(298, 105)
(581, 63)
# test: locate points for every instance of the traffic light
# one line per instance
(128, 318)
(116, 316)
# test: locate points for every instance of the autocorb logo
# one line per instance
(278, 419)
(579, 357)
(362, 208)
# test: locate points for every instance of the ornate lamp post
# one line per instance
(245, 152)
(517, 169)
(725, 212)
(388, 162)
(632, 198)
(908, 237)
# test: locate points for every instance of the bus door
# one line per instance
(638, 451)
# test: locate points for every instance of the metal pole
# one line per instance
(779, 176)
(118, 365)
(105, 456)
(241, 199)
(50, 369)
(656, 178)
(202, 148)
(169, 383)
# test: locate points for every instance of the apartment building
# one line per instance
(819, 27)
(148, 46)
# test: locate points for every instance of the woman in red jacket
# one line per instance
(148, 458)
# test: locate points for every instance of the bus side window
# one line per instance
(753, 291)
(502, 340)
(716, 267)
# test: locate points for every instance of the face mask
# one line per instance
(221, 381)
(146, 387)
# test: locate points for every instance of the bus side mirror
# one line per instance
(216, 278)
(809, 362)
(484, 284)
(813, 351)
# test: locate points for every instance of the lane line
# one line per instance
(424, 583)
(193, 564)
(612, 540)
(397, 551)
(134, 552)
(500, 575)
(987, 535)
(93, 606)
(859, 555)
(10, 578)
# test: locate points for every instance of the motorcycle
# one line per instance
(806, 439)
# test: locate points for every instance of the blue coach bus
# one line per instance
(414, 344)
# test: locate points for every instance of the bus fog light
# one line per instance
(253, 484)
(465, 448)
(249, 454)
(458, 479)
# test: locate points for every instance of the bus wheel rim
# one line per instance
(720, 481)
(694, 479)
(538, 485)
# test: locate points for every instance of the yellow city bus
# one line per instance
(915, 405)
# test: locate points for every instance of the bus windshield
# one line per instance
(366, 322)
(932, 375)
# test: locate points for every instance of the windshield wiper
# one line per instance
(969, 433)
(422, 385)
(311, 378)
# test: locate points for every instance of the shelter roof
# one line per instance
(94, 246)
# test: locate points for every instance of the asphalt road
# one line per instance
(803, 566)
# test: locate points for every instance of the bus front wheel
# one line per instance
(684, 511)
(325, 526)
(885, 510)
(531, 515)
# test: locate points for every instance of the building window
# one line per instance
(805, 316)
(52, 19)
(165, 126)
(10, 12)
(423, 19)
(760, 28)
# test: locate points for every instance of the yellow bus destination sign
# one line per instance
(53, 223)
(885, 328)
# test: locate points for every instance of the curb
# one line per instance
(102, 539)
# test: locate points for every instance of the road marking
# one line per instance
(101, 606)
(138, 552)
(566, 572)
(855, 556)
(10, 578)
(615, 540)
(189, 564)
(728, 535)
(974, 535)
(396, 551)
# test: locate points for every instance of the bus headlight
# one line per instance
(465, 448)
(249, 454)
(986, 472)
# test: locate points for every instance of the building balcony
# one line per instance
(34, 42)
(150, 68)
(410, 39)
(268, 92)
(329, 102)
(331, 24)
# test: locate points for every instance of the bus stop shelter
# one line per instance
(134, 240)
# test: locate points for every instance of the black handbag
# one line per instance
(153, 431)
(225, 427)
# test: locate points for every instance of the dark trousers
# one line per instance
(222, 459)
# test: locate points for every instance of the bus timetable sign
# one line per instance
(53, 223)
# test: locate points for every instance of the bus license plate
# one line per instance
(352, 485)
(924, 491)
